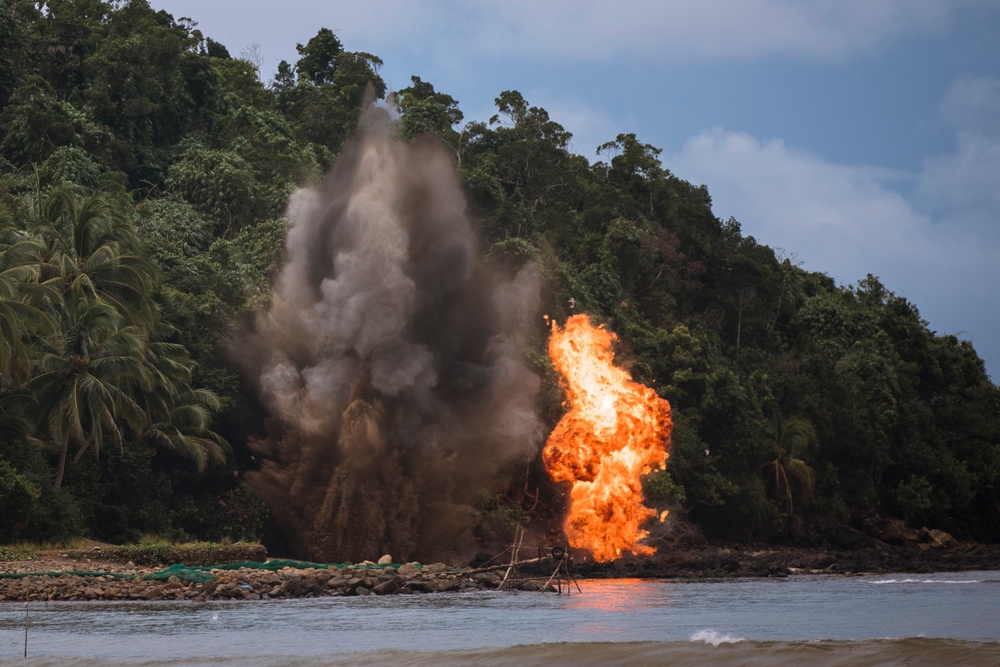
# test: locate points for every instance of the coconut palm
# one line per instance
(20, 258)
(91, 252)
(790, 438)
(179, 416)
(184, 428)
(85, 378)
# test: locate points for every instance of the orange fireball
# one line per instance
(615, 431)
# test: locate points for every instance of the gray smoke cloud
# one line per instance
(390, 359)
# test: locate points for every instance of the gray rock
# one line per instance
(386, 588)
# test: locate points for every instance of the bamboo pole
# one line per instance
(518, 539)
(559, 565)
(489, 568)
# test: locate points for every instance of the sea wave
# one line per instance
(914, 652)
(714, 638)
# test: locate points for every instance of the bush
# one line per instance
(17, 498)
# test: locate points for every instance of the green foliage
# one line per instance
(509, 515)
(154, 553)
(36, 122)
(786, 471)
(238, 514)
(70, 164)
(8, 554)
(221, 186)
(172, 231)
(143, 173)
(318, 61)
(56, 517)
(17, 497)
(249, 262)
(426, 111)
(915, 496)
(660, 489)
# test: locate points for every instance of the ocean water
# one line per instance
(939, 619)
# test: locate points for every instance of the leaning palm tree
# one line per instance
(184, 428)
(790, 438)
(179, 416)
(85, 378)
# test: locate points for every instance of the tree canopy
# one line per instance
(144, 172)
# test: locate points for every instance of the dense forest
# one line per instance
(144, 174)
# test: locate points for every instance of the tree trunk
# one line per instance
(83, 448)
(62, 462)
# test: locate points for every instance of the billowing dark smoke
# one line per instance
(390, 359)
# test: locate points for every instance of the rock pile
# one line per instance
(258, 584)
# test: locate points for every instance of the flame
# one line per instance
(615, 431)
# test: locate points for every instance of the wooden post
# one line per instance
(516, 548)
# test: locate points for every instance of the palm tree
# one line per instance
(104, 370)
(91, 251)
(184, 428)
(790, 438)
(20, 259)
(179, 416)
(86, 376)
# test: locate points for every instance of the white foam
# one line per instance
(714, 638)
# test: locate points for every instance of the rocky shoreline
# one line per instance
(250, 583)
(52, 578)
(715, 562)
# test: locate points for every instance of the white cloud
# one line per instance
(834, 218)
(844, 221)
(966, 182)
(963, 187)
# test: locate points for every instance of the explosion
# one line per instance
(390, 361)
(615, 431)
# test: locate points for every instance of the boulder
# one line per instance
(386, 588)
(941, 538)
(409, 569)
(487, 579)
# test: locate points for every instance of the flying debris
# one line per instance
(390, 361)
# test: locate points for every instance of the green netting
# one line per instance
(202, 573)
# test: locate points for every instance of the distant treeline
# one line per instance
(144, 172)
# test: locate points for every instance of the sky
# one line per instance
(853, 136)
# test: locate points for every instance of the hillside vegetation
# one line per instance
(144, 171)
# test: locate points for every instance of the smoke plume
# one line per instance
(390, 359)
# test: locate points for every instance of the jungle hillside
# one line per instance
(144, 176)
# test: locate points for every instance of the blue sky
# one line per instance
(857, 136)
